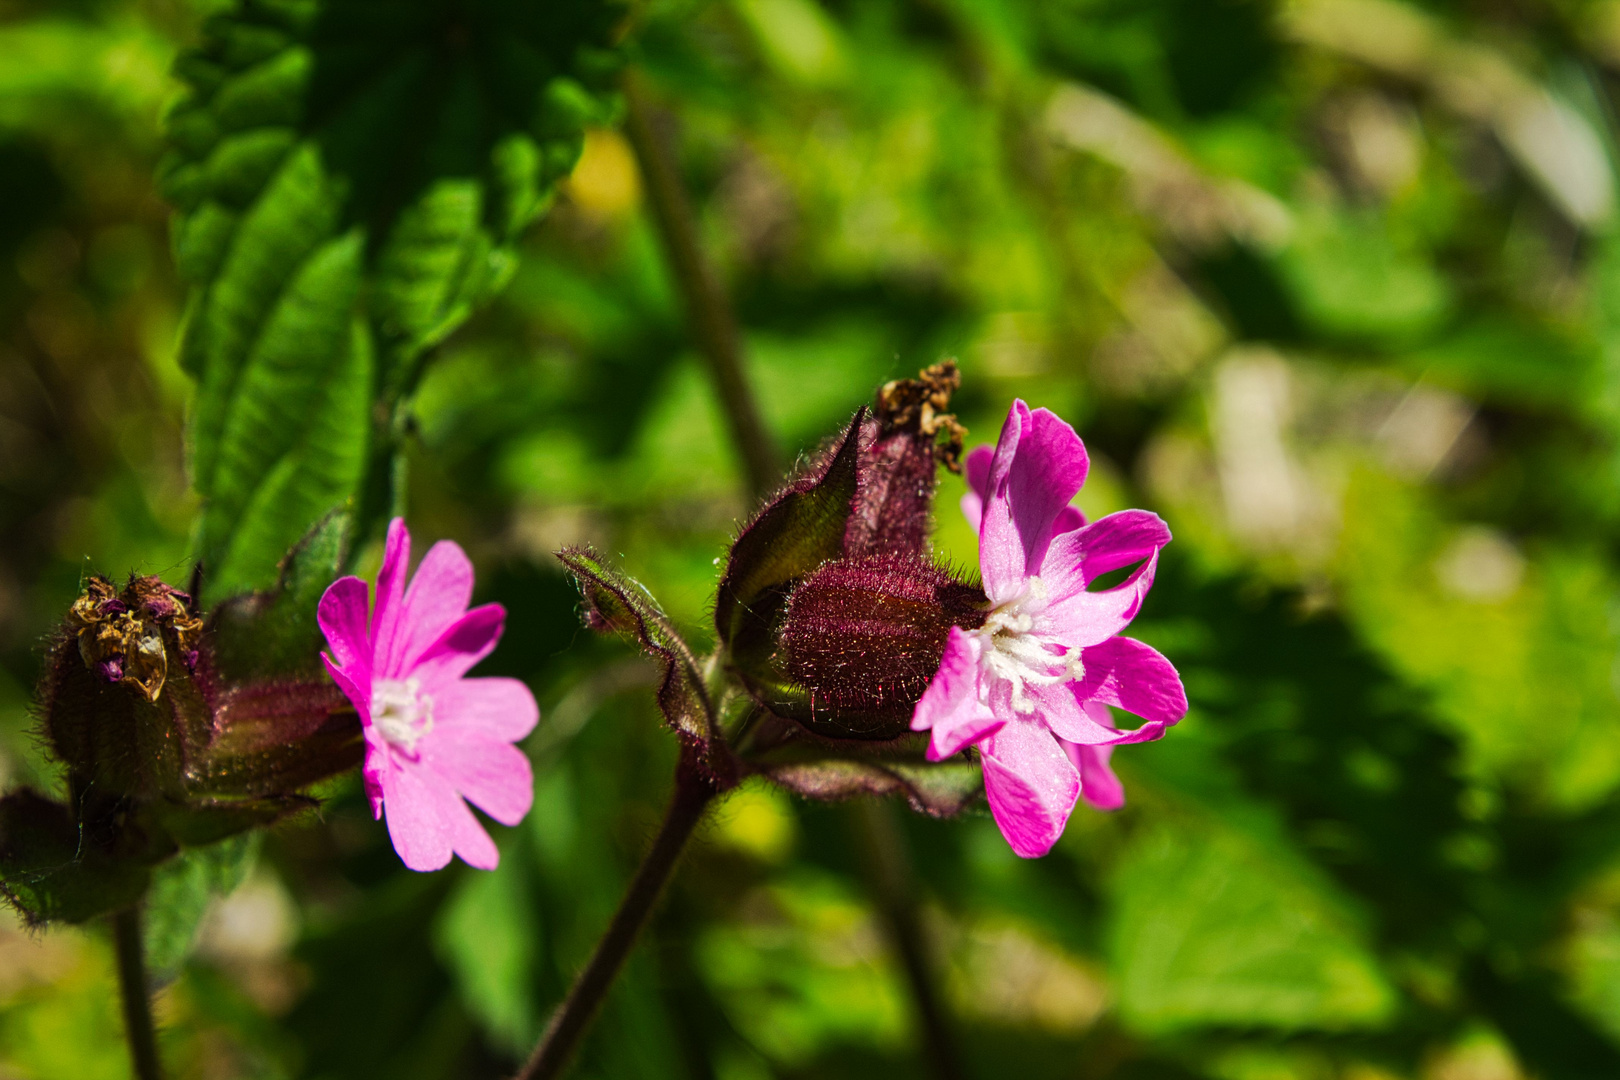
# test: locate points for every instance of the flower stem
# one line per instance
(889, 874)
(693, 792)
(712, 321)
(137, 999)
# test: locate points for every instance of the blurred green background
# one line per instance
(1332, 285)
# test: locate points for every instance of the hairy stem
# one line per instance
(888, 870)
(715, 327)
(137, 999)
(713, 324)
(693, 792)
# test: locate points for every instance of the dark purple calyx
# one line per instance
(862, 638)
(908, 434)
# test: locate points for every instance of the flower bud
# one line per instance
(862, 637)
(160, 753)
(908, 433)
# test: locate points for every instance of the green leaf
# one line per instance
(180, 893)
(49, 872)
(798, 531)
(488, 938)
(616, 601)
(273, 634)
(351, 177)
(1214, 927)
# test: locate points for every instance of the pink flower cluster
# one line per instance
(434, 738)
(1032, 687)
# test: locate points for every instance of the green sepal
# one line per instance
(828, 772)
(615, 601)
(795, 533)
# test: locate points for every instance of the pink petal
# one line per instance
(973, 509)
(468, 640)
(358, 693)
(1098, 784)
(1086, 618)
(417, 810)
(342, 618)
(1039, 465)
(976, 470)
(1031, 784)
(1066, 715)
(1076, 559)
(495, 776)
(1135, 677)
(468, 838)
(494, 707)
(439, 594)
(950, 707)
(391, 587)
(1069, 519)
(379, 759)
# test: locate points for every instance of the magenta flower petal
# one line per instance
(976, 468)
(390, 588)
(341, 615)
(1076, 559)
(1065, 714)
(413, 805)
(468, 838)
(1039, 465)
(1031, 784)
(950, 707)
(468, 640)
(1088, 618)
(494, 776)
(434, 739)
(438, 595)
(378, 761)
(493, 707)
(359, 693)
(1098, 785)
(1048, 661)
(1135, 677)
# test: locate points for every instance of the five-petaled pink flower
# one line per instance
(1032, 686)
(433, 736)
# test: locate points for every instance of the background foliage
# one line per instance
(1333, 285)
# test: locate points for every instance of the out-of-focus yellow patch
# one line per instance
(605, 183)
(757, 820)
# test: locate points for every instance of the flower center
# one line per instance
(1017, 652)
(401, 712)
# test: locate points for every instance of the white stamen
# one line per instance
(1016, 653)
(401, 712)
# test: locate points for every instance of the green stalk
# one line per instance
(137, 999)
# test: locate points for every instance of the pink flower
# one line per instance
(433, 736)
(1032, 686)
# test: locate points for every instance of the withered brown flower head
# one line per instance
(120, 635)
(918, 406)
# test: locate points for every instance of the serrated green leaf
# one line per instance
(350, 178)
(1213, 927)
(618, 602)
